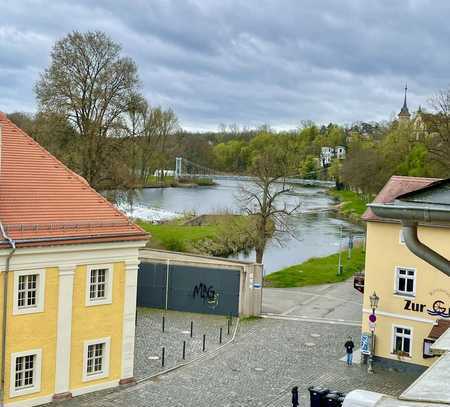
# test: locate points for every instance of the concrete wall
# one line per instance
(250, 293)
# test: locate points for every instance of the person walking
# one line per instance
(349, 345)
(295, 396)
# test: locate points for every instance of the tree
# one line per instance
(265, 197)
(91, 84)
(438, 140)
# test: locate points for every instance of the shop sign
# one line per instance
(437, 309)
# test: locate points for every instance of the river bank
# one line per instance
(212, 235)
(318, 270)
(171, 182)
(351, 205)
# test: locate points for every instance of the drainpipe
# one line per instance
(410, 216)
(12, 243)
(413, 243)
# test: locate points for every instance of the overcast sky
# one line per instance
(248, 62)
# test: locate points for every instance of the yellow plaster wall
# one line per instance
(34, 331)
(95, 322)
(385, 252)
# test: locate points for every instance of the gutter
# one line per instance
(12, 243)
(410, 216)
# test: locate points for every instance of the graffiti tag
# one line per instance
(207, 294)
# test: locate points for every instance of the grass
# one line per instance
(353, 204)
(214, 235)
(176, 237)
(250, 318)
(318, 270)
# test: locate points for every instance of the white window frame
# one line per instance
(108, 284)
(13, 391)
(396, 281)
(40, 295)
(105, 371)
(393, 350)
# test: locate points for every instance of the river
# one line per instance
(316, 231)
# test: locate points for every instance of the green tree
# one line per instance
(91, 84)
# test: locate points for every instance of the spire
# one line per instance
(405, 106)
(404, 112)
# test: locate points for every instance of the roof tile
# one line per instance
(396, 186)
(40, 198)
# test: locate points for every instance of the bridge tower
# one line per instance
(178, 163)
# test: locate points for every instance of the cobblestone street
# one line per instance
(258, 369)
(150, 339)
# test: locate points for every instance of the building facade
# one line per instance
(414, 305)
(68, 261)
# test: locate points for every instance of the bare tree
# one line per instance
(438, 126)
(265, 198)
(90, 83)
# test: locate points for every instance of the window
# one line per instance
(25, 366)
(402, 340)
(405, 281)
(25, 372)
(29, 289)
(99, 285)
(427, 352)
(96, 359)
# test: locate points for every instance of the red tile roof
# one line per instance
(396, 186)
(41, 200)
(437, 330)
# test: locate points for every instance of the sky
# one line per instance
(247, 62)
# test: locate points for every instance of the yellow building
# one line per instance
(403, 239)
(68, 260)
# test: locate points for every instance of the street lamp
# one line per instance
(374, 299)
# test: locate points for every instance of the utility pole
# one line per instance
(339, 272)
(350, 245)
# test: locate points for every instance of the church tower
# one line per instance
(404, 114)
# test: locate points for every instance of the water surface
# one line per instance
(315, 232)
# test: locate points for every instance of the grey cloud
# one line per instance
(249, 62)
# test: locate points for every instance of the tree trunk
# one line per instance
(259, 254)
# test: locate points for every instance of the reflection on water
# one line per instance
(314, 234)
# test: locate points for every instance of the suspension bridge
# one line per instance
(185, 169)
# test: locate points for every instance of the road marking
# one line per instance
(305, 319)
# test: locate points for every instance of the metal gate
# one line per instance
(188, 288)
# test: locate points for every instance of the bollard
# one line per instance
(184, 350)
(162, 356)
(204, 342)
(163, 322)
(228, 327)
(192, 328)
(220, 335)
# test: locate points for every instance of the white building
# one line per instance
(340, 152)
(326, 155)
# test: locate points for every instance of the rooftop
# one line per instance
(43, 202)
(394, 188)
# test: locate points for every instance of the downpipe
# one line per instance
(422, 251)
(12, 243)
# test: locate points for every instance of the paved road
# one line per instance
(330, 301)
(268, 357)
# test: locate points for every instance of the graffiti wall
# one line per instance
(189, 288)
